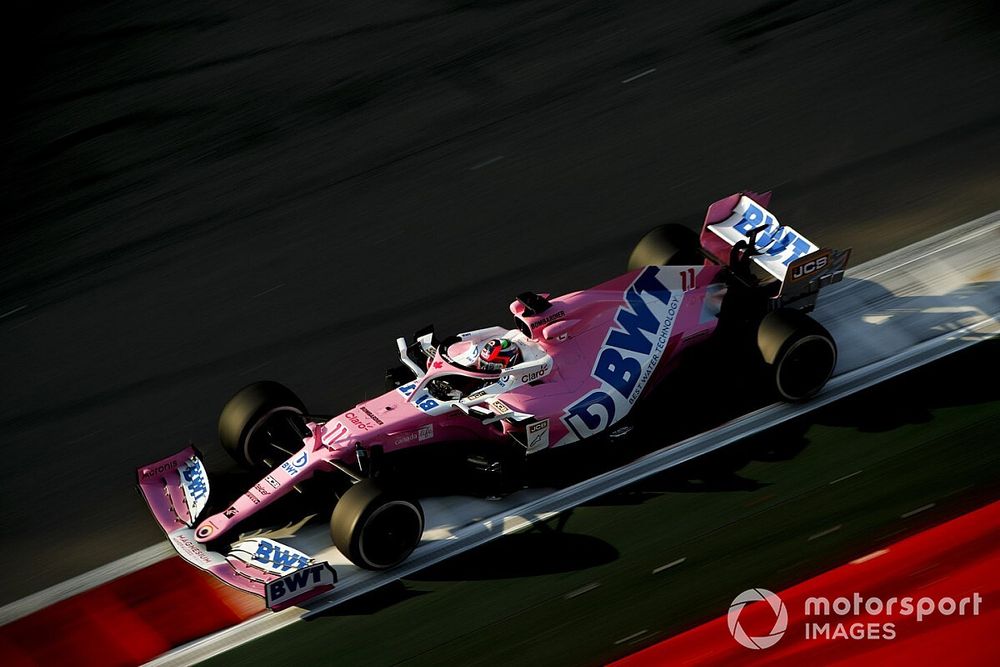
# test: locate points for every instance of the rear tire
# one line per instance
(257, 418)
(799, 353)
(667, 245)
(374, 527)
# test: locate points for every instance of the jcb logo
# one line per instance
(810, 267)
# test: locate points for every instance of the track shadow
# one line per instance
(718, 471)
(963, 378)
(542, 550)
(870, 321)
(371, 603)
(529, 554)
(959, 379)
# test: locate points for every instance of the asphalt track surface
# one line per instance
(204, 195)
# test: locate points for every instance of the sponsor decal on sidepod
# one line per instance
(629, 355)
(426, 432)
(538, 435)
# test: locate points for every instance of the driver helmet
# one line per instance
(498, 354)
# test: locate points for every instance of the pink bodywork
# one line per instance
(590, 356)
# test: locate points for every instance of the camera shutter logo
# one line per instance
(780, 618)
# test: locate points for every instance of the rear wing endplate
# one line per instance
(807, 275)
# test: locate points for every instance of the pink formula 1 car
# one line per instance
(571, 368)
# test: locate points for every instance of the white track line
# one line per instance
(917, 511)
(639, 75)
(580, 591)
(11, 312)
(824, 533)
(872, 555)
(669, 565)
(635, 635)
(486, 163)
(846, 477)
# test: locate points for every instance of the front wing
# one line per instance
(176, 489)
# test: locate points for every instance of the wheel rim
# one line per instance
(390, 534)
(806, 367)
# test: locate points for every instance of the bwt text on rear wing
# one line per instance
(752, 232)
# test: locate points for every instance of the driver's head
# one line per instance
(498, 354)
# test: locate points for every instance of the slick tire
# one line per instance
(799, 354)
(376, 528)
(667, 245)
(259, 417)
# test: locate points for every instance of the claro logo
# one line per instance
(534, 375)
(354, 419)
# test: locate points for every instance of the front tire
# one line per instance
(667, 245)
(262, 425)
(374, 527)
(799, 353)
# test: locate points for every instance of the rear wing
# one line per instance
(741, 227)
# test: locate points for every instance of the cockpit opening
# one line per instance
(454, 387)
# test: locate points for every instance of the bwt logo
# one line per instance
(194, 478)
(775, 238)
(293, 467)
(645, 324)
(298, 581)
(272, 554)
(780, 618)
